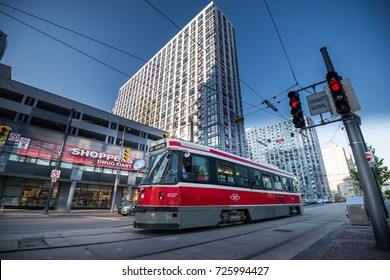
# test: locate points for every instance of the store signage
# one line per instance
(102, 159)
(72, 154)
(94, 154)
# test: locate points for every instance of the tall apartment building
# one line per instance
(283, 145)
(3, 43)
(338, 165)
(191, 87)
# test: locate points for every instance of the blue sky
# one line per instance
(356, 34)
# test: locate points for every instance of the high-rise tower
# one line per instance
(191, 87)
(297, 152)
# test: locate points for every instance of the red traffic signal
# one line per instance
(340, 99)
(296, 110)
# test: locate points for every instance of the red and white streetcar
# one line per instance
(188, 185)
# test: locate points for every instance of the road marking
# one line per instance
(102, 218)
(170, 238)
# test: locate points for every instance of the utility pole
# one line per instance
(118, 169)
(372, 198)
(58, 163)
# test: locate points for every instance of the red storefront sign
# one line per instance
(72, 154)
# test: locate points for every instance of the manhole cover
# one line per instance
(31, 243)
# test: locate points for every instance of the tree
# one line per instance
(382, 172)
(387, 194)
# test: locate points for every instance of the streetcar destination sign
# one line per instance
(318, 103)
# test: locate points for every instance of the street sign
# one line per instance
(15, 137)
(370, 158)
(55, 174)
(318, 103)
(24, 143)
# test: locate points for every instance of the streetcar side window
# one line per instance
(195, 168)
(289, 185)
(255, 179)
(293, 188)
(277, 183)
(285, 184)
(267, 183)
(242, 176)
(225, 172)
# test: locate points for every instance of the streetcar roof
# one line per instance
(177, 144)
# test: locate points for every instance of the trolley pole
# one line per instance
(372, 199)
(58, 163)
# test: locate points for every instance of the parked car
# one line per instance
(127, 208)
(305, 202)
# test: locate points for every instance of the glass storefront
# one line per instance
(32, 193)
(92, 196)
(22, 192)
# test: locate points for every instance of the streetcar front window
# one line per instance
(162, 169)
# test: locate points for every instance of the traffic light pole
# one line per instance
(372, 199)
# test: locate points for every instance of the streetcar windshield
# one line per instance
(162, 169)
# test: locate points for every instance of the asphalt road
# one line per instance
(87, 237)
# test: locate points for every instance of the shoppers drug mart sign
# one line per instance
(77, 155)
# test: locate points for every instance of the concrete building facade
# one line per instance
(92, 151)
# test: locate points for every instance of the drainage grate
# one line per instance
(31, 243)
(283, 230)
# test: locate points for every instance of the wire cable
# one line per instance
(281, 42)
(77, 33)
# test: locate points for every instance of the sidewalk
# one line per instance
(26, 213)
(344, 243)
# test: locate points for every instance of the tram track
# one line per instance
(242, 234)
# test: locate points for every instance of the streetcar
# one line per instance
(188, 185)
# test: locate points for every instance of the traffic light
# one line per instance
(239, 119)
(340, 99)
(126, 155)
(4, 131)
(296, 109)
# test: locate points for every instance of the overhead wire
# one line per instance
(95, 40)
(77, 33)
(125, 52)
(281, 43)
(70, 46)
(66, 44)
(102, 43)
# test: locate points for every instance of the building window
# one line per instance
(214, 141)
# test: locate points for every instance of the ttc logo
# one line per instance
(235, 197)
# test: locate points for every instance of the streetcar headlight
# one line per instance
(142, 190)
(161, 195)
